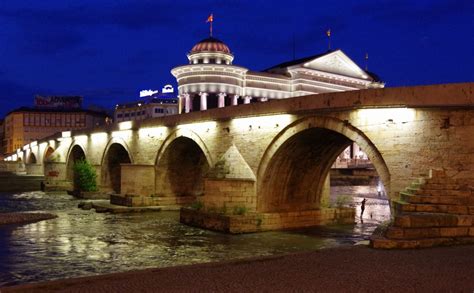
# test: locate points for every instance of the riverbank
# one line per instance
(24, 218)
(347, 269)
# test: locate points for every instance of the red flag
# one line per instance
(210, 18)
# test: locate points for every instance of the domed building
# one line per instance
(211, 80)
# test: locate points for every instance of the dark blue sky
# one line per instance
(107, 50)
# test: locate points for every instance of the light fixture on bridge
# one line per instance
(43, 145)
(80, 138)
(125, 125)
(66, 134)
(99, 137)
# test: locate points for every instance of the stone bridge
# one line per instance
(273, 157)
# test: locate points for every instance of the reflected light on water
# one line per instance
(81, 243)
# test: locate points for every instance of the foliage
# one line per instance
(259, 221)
(240, 210)
(224, 209)
(343, 200)
(84, 176)
(197, 205)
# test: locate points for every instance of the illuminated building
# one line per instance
(50, 115)
(211, 80)
(2, 137)
(153, 104)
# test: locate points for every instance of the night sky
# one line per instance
(108, 50)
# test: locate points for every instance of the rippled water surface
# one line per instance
(80, 243)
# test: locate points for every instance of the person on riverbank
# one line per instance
(362, 207)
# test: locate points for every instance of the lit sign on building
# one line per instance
(146, 93)
(54, 102)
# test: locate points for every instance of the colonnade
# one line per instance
(187, 100)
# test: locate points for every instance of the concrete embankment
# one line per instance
(348, 269)
(23, 218)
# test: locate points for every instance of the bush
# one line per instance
(240, 210)
(342, 201)
(197, 205)
(84, 176)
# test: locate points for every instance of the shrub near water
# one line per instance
(85, 176)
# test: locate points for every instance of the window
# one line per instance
(200, 61)
(212, 61)
(119, 115)
(127, 114)
(159, 110)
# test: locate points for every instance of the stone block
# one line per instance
(395, 233)
(418, 233)
(454, 232)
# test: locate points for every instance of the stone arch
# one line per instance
(181, 164)
(31, 158)
(188, 134)
(76, 153)
(295, 165)
(116, 153)
(47, 153)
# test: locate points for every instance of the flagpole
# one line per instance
(328, 33)
(211, 28)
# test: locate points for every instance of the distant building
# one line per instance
(2, 137)
(211, 80)
(153, 104)
(50, 115)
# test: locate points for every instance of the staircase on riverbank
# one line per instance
(12, 182)
(431, 212)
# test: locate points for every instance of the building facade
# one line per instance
(153, 104)
(49, 116)
(211, 80)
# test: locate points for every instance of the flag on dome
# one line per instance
(210, 18)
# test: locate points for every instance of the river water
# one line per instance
(84, 243)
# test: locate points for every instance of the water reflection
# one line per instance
(80, 243)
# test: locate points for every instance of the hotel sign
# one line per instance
(53, 102)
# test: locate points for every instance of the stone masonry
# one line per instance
(431, 212)
(274, 157)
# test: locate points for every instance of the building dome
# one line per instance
(210, 45)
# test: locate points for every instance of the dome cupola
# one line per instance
(210, 51)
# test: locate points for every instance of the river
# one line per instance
(83, 243)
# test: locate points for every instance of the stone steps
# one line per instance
(428, 232)
(385, 243)
(419, 220)
(446, 200)
(406, 207)
(430, 212)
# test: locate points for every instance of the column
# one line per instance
(235, 99)
(247, 99)
(187, 103)
(221, 101)
(203, 101)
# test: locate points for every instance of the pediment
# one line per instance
(338, 63)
